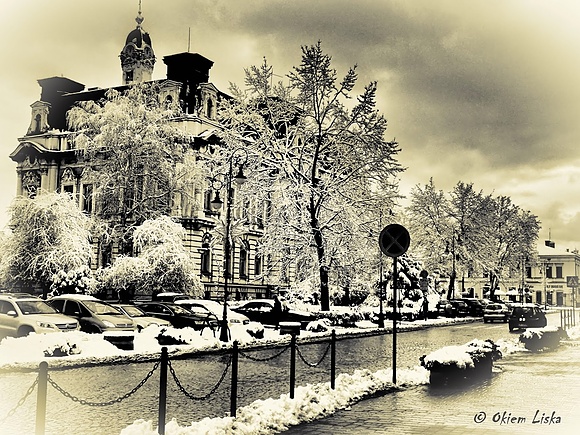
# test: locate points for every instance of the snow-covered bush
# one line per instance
(346, 318)
(548, 337)
(320, 325)
(78, 280)
(462, 357)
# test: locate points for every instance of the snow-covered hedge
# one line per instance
(461, 357)
(547, 337)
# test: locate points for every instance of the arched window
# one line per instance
(209, 108)
(205, 252)
(37, 123)
(257, 265)
(244, 257)
(168, 102)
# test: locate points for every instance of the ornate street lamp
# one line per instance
(239, 157)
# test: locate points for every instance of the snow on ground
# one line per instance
(267, 416)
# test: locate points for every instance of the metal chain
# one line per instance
(253, 358)
(213, 390)
(21, 401)
(108, 403)
(319, 361)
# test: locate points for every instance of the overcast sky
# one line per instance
(482, 91)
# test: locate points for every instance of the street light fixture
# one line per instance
(239, 157)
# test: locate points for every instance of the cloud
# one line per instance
(483, 91)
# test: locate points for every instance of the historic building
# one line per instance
(47, 161)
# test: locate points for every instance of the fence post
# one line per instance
(332, 358)
(292, 365)
(41, 398)
(234, 393)
(162, 391)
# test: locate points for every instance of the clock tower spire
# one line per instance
(137, 57)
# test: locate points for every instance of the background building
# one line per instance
(46, 161)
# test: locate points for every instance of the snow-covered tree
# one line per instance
(320, 163)
(50, 235)
(162, 264)
(136, 154)
(466, 230)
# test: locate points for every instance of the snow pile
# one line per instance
(310, 402)
(462, 357)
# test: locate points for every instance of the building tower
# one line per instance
(137, 57)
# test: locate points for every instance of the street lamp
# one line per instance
(239, 157)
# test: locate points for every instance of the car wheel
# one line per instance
(24, 331)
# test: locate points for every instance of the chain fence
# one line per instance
(163, 364)
(21, 401)
(192, 396)
(108, 402)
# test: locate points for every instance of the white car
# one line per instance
(214, 307)
(21, 315)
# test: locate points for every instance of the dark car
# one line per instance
(452, 308)
(262, 310)
(178, 316)
(527, 316)
(97, 317)
(475, 307)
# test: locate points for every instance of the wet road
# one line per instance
(257, 380)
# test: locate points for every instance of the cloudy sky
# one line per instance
(481, 91)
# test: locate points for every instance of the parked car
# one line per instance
(96, 316)
(23, 314)
(475, 307)
(262, 310)
(169, 297)
(496, 312)
(139, 317)
(214, 307)
(180, 317)
(526, 316)
(452, 308)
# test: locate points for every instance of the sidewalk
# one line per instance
(525, 391)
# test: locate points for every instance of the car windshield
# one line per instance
(180, 310)
(133, 311)
(99, 307)
(35, 307)
(493, 307)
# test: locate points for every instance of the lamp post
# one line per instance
(239, 157)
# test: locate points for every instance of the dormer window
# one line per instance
(210, 108)
(37, 123)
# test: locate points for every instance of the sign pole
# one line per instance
(394, 320)
(394, 241)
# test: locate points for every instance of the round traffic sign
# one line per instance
(394, 240)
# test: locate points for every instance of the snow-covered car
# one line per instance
(23, 314)
(169, 297)
(214, 307)
(496, 312)
(262, 310)
(97, 317)
(139, 317)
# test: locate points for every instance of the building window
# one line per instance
(257, 265)
(205, 259)
(210, 108)
(528, 271)
(243, 264)
(549, 272)
(558, 271)
(87, 204)
(37, 123)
